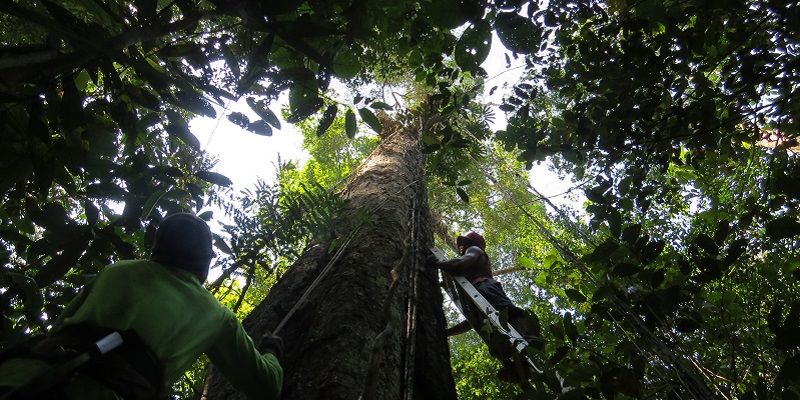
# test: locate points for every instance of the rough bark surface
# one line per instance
(350, 338)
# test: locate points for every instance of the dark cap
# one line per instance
(471, 238)
(183, 240)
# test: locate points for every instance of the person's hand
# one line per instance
(431, 261)
(273, 344)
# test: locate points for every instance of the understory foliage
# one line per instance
(678, 118)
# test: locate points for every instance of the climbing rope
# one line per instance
(318, 279)
(411, 304)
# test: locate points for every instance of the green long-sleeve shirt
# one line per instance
(178, 319)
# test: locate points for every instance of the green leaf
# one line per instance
(575, 295)
(596, 195)
(573, 394)
(517, 33)
(58, 266)
(346, 64)
(151, 202)
(260, 108)
(723, 229)
(350, 126)
(783, 227)
(710, 270)
(431, 148)
(658, 277)
(444, 14)
(379, 105)
(774, 317)
(370, 118)
(686, 325)
(735, 250)
(327, 119)
(214, 177)
(462, 194)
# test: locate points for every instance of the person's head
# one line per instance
(470, 239)
(183, 240)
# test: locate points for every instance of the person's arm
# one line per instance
(471, 256)
(258, 376)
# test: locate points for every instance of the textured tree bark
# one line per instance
(351, 338)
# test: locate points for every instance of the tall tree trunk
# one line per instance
(356, 335)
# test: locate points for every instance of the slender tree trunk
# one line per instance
(357, 334)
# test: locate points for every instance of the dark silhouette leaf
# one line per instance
(473, 46)
(517, 33)
(350, 126)
(261, 109)
(462, 194)
(327, 119)
(575, 295)
(214, 177)
(706, 243)
(304, 98)
(379, 105)
(631, 233)
(260, 127)
(624, 269)
(783, 227)
(195, 103)
(239, 119)
(569, 327)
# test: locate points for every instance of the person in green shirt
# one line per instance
(169, 320)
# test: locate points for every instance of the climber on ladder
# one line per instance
(474, 265)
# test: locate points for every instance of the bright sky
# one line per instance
(244, 156)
